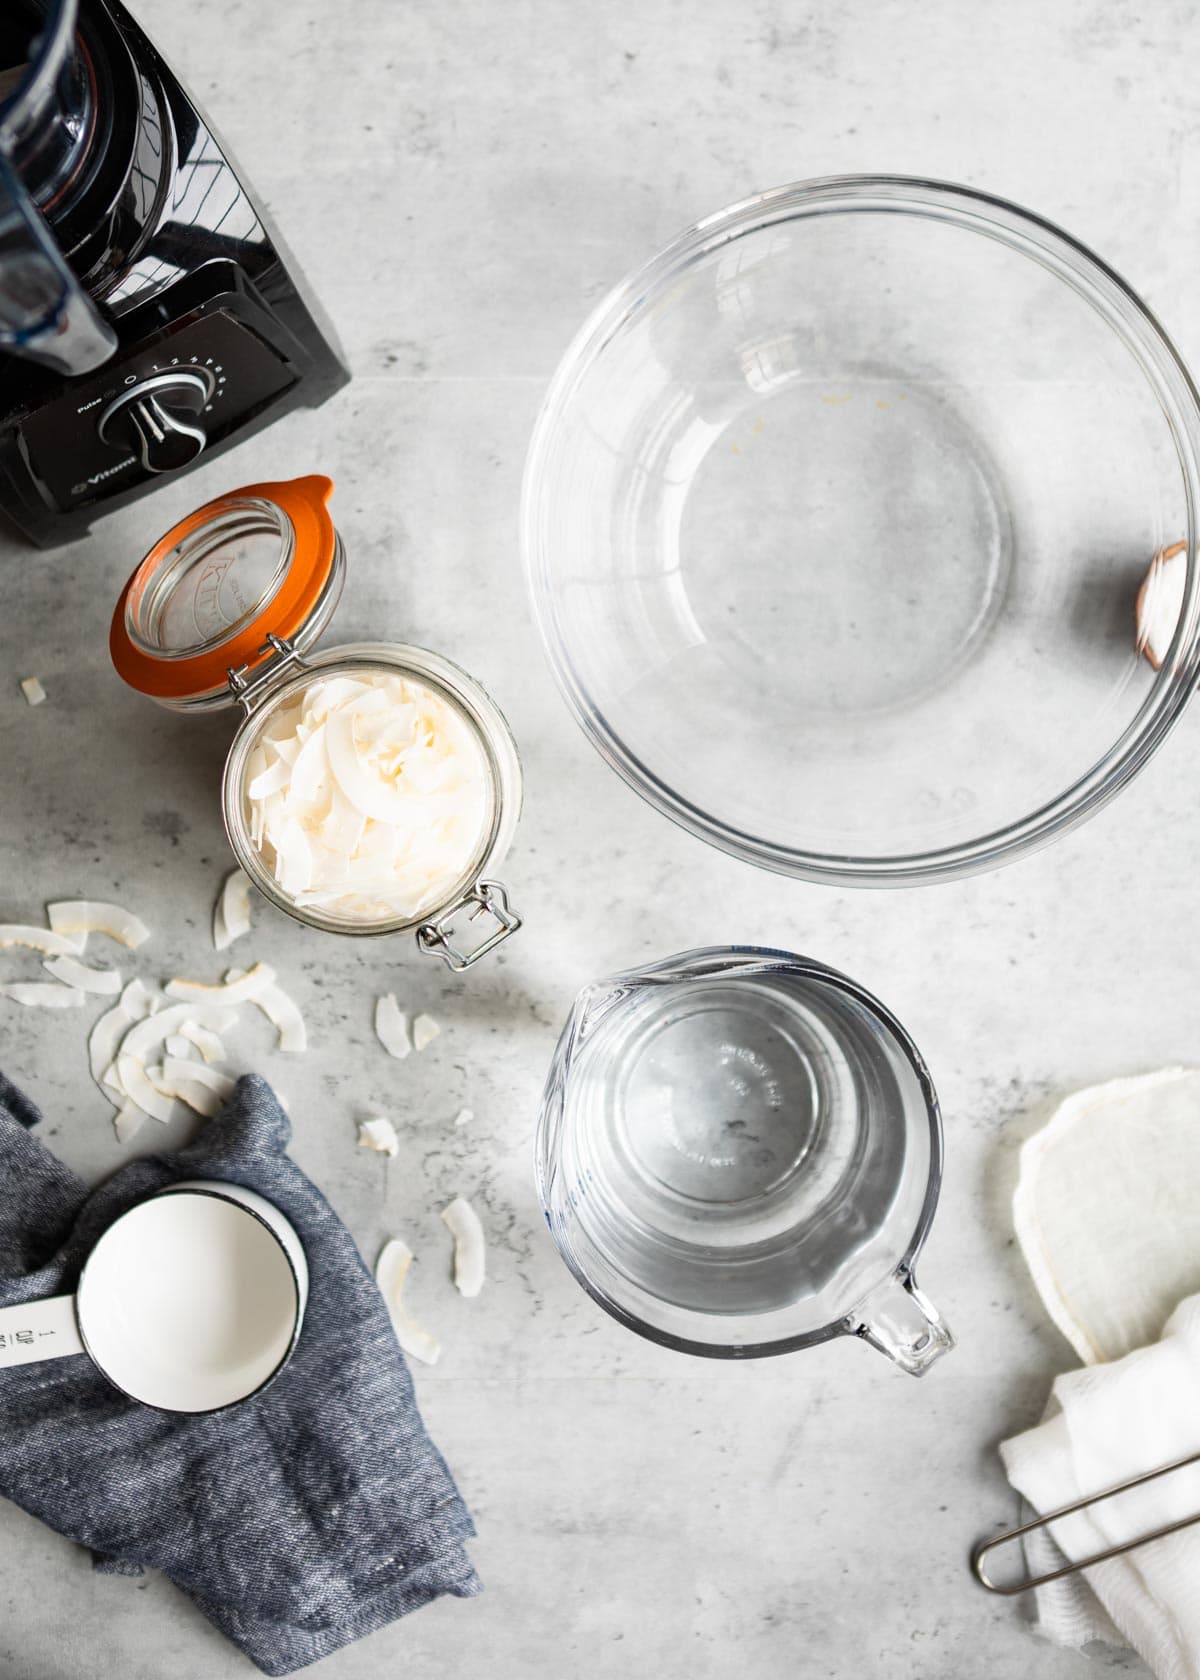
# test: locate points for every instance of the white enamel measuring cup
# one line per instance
(190, 1301)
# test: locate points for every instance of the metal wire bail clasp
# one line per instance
(487, 898)
(246, 690)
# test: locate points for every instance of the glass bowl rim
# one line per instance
(1122, 310)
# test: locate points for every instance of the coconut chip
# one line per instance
(137, 1084)
(469, 1247)
(196, 1073)
(391, 1027)
(33, 691)
(208, 1043)
(425, 1030)
(138, 1001)
(380, 1135)
(129, 1119)
(74, 973)
(85, 915)
(464, 1117)
(1160, 601)
(242, 990)
(181, 1048)
(41, 939)
(391, 1269)
(145, 1037)
(280, 1008)
(43, 994)
(231, 914)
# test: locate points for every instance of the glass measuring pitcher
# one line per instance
(739, 1153)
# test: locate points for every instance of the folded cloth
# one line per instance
(1115, 1421)
(298, 1521)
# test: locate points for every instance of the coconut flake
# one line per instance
(242, 990)
(85, 915)
(144, 1038)
(128, 1120)
(137, 1000)
(103, 1040)
(425, 1030)
(196, 1096)
(33, 691)
(41, 939)
(391, 1269)
(208, 1043)
(464, 1117)
(196, 1073)
(469, 1247)
(137, 1084)
(231, 914)
(281, 1010)
(379, 1134)
(391, 1027)
(1160, 601)
(111, 1080)
(43, 994)
(74, 973)
(181, 1048)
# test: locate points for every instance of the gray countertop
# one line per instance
(461, 183)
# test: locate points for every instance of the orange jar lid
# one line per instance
(263, 561)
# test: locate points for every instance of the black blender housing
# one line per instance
(149, 315)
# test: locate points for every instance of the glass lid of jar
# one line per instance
(250, 574)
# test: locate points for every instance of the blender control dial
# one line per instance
(158, 418)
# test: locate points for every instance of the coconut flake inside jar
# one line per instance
(371, 788)
(367, 796)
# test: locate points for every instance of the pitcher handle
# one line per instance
(900, 1321)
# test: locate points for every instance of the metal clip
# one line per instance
(246, 690)
(488, 898)
(981, 1551)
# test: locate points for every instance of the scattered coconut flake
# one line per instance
(197, 1073)
(283, 1012)
(231, 915)
(146, 1035)
(464, 1117)
(469, 1247)
(1160, 601)
(103, 1040)
(196, 1096)
(85, 915)
(379, 1135)
(51, 944)
(391, 1269)
(181, 1048)
(74, 973)
(138, 1001)
(43, 994)
(128, 1120)
(425, 1030)
(391, 1027)
(141, 1088)
(208, 1043)
(111, 1079)
(242, 990)
(33, 691)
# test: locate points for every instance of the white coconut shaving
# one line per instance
(1160, 602)
(244, 989)
(231, 913)
(469, 1246)
(138, 1001)
(74, 973)
(208, 1043)
(43, 994)
(391, 1269)
(425, 1030)
(464, 1117)
(128, 1120)
(181, 1048)
(196, 1073)
(391, 1027)
(136, 1083)
(280, 1008)
(379, 1134)
(51, 944)
(368, 796)
(85, 915)
(33, 691)
(144, 1037)
(103, 1041)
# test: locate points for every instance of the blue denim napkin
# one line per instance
(300, 1520)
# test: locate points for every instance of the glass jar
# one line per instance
(224, 611)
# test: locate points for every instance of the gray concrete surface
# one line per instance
(461, 183)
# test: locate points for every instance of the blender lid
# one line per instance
(215, 597)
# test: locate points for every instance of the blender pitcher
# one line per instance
(739, 1154)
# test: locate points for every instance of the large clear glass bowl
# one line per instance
(835, 518)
